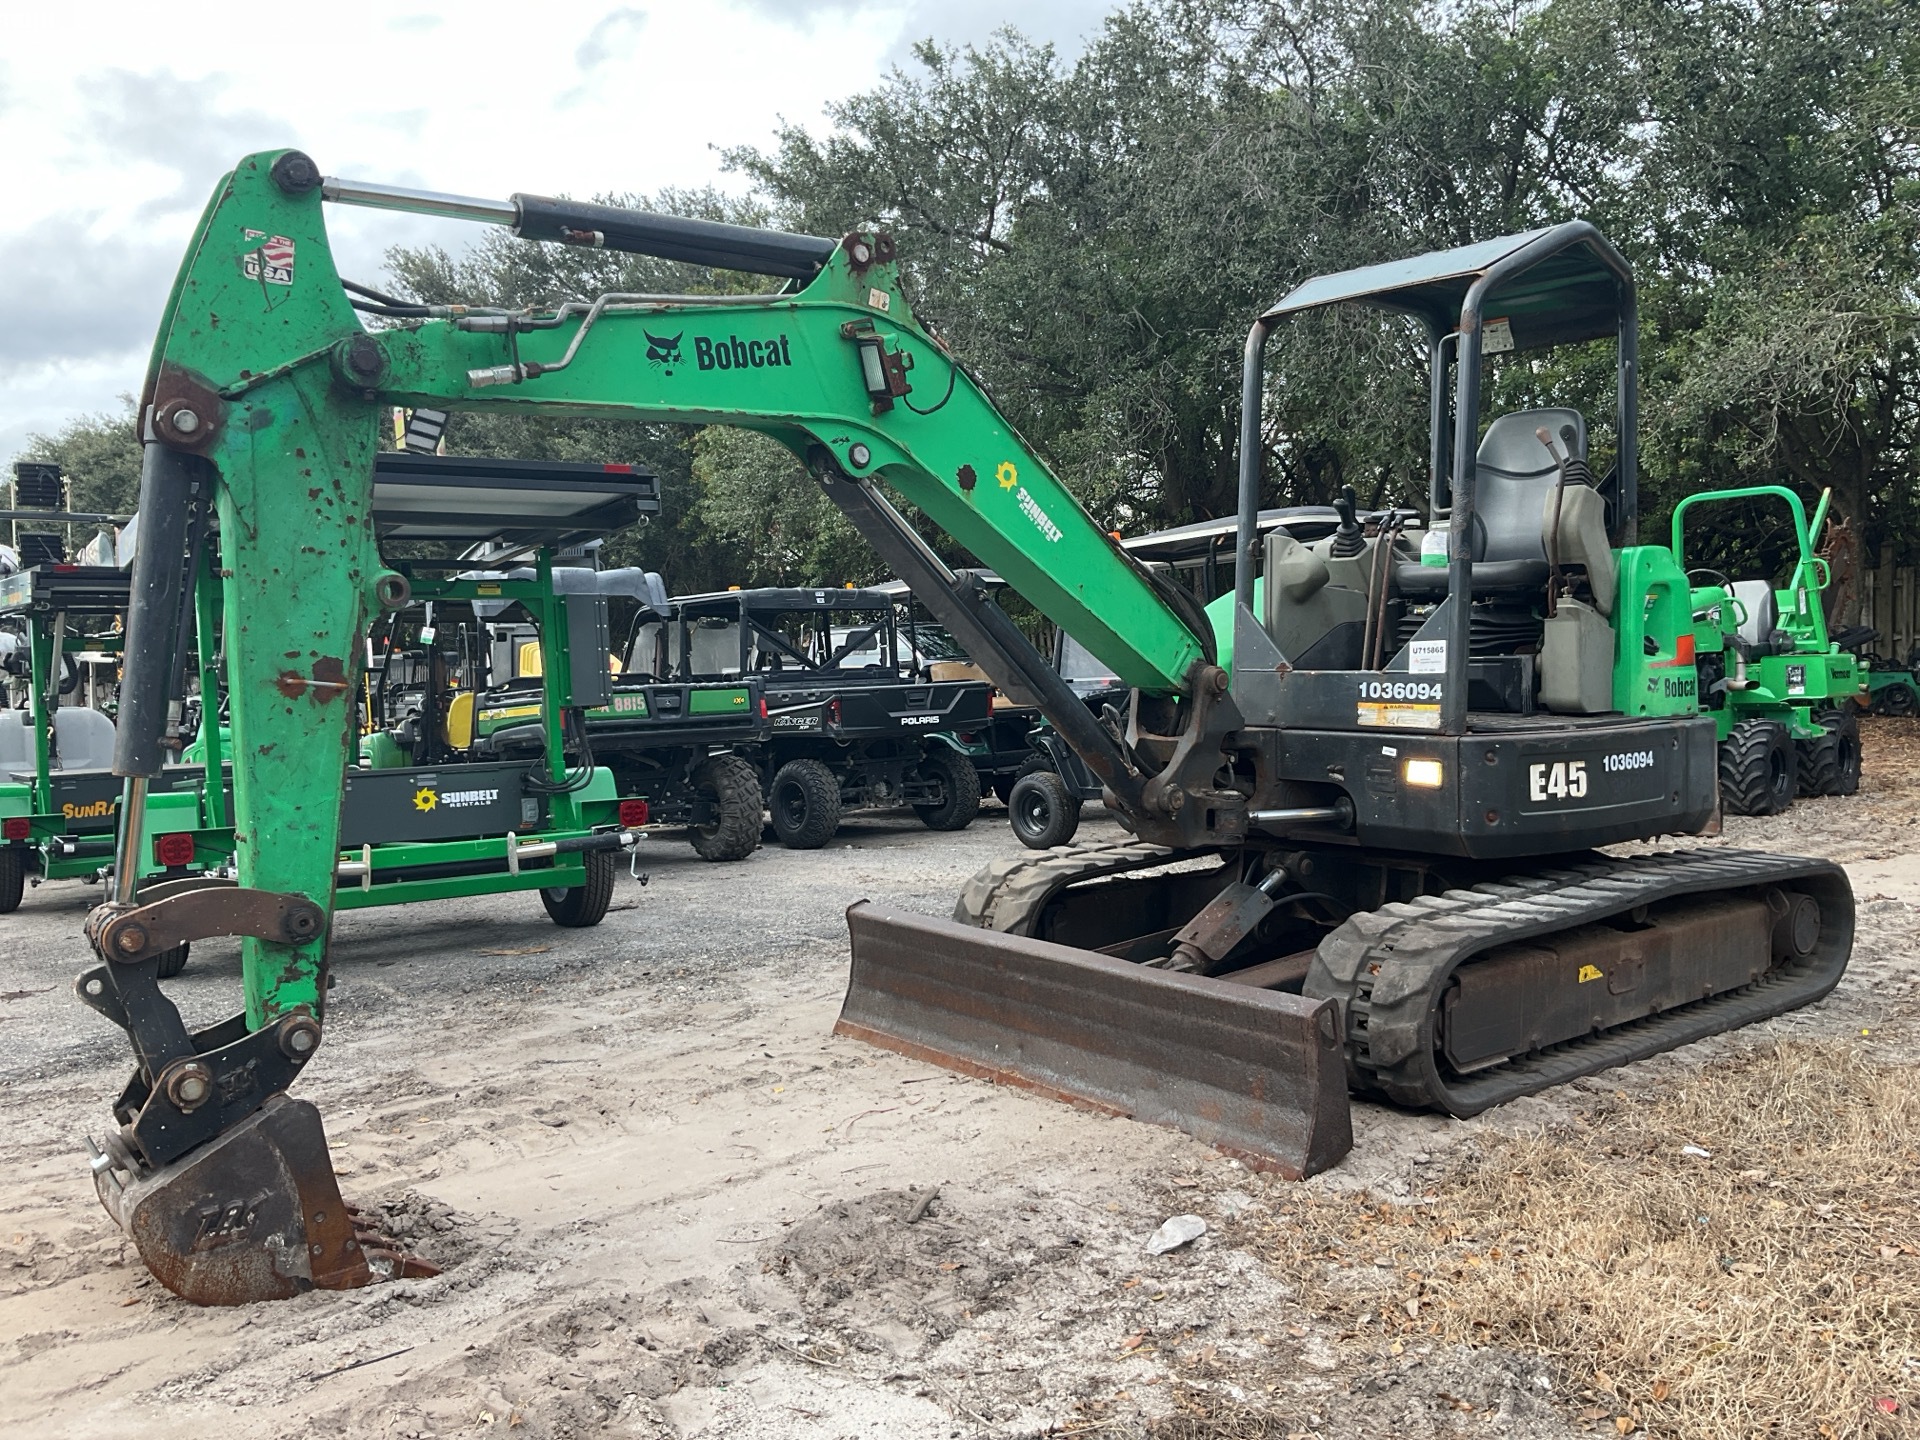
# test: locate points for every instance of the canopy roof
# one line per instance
(781, 600)
(1556, 285)
(521, 504)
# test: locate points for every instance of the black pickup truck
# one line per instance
(851, 724)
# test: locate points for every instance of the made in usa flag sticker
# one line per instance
(269, 258)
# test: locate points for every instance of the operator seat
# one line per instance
(1762, 613)
(16, 753)
(83, 737)
(1515, 478)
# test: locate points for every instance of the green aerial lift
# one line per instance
(1780, 691)
(1362, 841)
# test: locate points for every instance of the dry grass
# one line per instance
(1771, 1289)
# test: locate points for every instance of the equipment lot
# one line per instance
(669, 1202)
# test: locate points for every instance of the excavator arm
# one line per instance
(262, 409)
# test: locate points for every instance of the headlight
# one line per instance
(1427, 774)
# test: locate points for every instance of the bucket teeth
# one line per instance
(254, 1214)
(384, 1255)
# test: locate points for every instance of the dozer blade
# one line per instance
(255, 1214)
(1258, 1075)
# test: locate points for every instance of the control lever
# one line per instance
(1350, 538)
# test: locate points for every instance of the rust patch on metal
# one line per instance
(178, 392)
(960, 1064)
(329, 680)
(326, 682)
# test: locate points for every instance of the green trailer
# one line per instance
(423, 816)
(59, 797)
(1780, 691)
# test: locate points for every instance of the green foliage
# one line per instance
(1094, 239)
(754, 496)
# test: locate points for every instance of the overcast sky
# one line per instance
(116, 118)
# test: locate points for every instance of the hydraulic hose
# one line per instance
(172, 487)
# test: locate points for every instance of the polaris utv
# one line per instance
(678, 747)
(850, 724)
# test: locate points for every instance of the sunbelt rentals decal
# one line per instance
(1008, 474)
(427, 798)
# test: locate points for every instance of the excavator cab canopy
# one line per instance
(1553, 286)
(1560, 285)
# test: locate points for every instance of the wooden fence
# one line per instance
(1890, 602)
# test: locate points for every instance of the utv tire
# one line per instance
(173, 961)
(1043, 812)
(13, 878)
(961, 784)
(804, 801)
(1831, 764)
(1758, 770)
(733, 785)
(580, 907)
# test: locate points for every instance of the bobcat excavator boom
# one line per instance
(1218, 972)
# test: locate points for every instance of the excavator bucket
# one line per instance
(1256, 1074)
(255, 1214)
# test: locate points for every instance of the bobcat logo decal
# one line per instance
(663, 350)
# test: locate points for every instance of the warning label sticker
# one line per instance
(1383, 715)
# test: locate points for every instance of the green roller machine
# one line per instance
(1365, 797)
(1780, 692)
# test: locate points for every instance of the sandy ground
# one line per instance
(671, 1203)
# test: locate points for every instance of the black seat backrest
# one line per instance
(1514, 480)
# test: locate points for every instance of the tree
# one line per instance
(722, 496)
(100, 457)
(1789, 231)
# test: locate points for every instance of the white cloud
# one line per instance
(611, 38)
(117, 118)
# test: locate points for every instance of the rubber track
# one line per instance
(1008, 895)
(1417, 945)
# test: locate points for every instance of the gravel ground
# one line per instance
(670, 1203)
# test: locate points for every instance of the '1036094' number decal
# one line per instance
(1568, 779)
(1399, 689)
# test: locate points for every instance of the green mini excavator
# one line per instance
(1363, 795)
